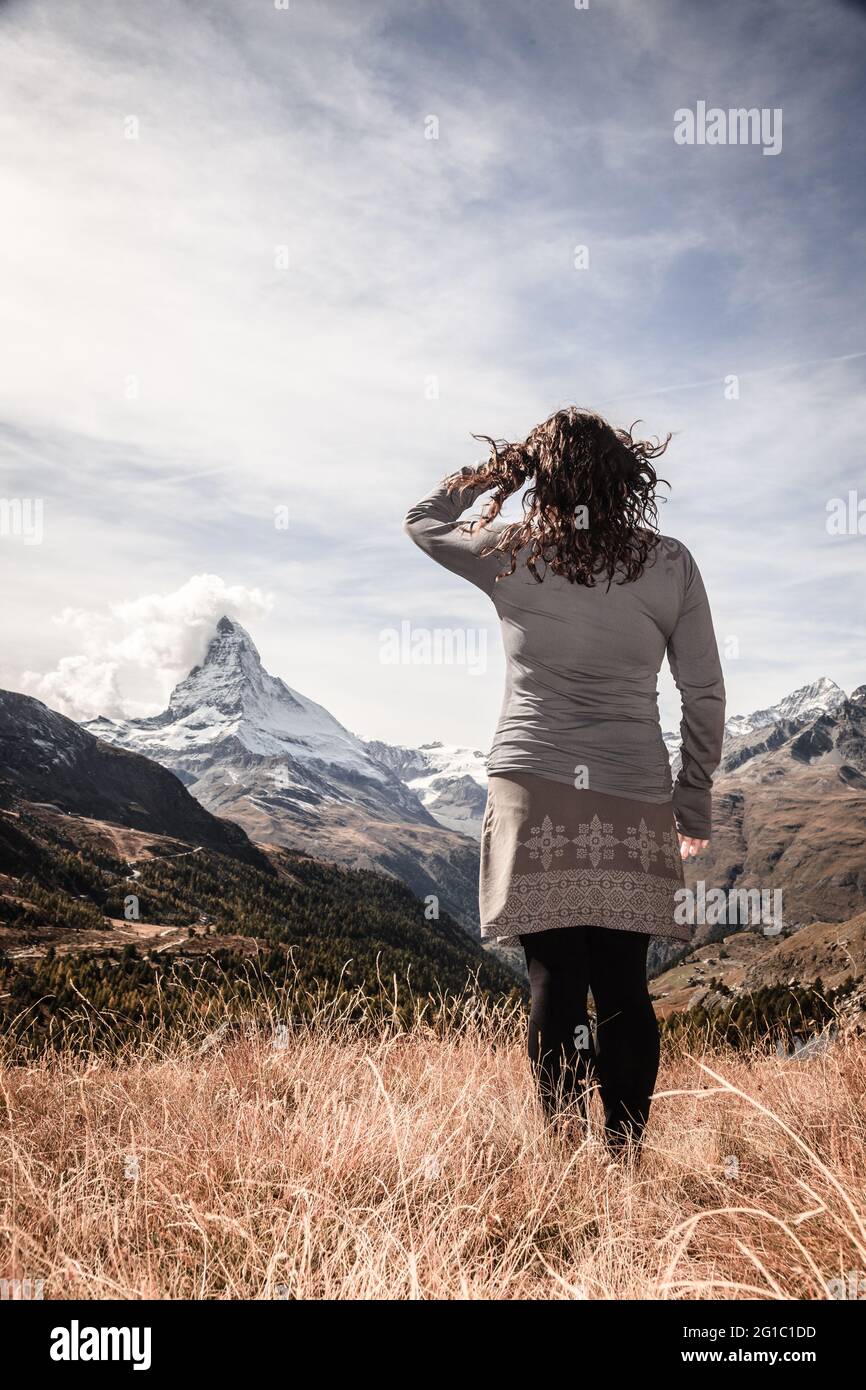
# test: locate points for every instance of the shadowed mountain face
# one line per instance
(50, 760)
(264, 755)
(790, 813)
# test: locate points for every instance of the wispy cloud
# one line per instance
(152, 640)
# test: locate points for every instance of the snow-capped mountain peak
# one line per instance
(809, 701)
(231, 677)
(232, 688)
(255, 751)
(231, 697)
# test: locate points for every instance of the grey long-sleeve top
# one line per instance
(581, 697)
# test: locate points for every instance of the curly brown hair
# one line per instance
(591, 509)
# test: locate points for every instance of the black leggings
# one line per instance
(564, 964)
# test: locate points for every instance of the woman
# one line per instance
(583, 835)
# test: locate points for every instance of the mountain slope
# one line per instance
(743, 967)
(832, 951)
(47, 758)
(209, 925)
(231, 701)
(809, 702)
(252, 749)
(449, 781)
(790, 813)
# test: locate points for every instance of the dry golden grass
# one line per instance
(415, 1164)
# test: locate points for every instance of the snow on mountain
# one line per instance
(821, 697)
(808, 702)
(449, 781)
(232, 701)
(253, 750)
(672, 743)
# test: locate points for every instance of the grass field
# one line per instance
(340, 1161)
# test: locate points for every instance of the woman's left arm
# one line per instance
(694, 661)
(434, 525)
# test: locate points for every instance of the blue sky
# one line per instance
(166, 384)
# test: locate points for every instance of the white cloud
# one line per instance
(157, 636)
(79, 686)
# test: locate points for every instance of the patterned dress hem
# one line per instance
(556, 856)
